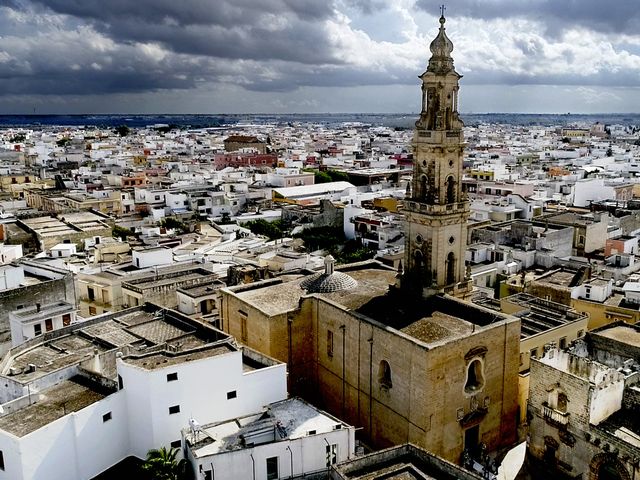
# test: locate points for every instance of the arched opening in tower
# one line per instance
(451, 268)
(423, 187)
(451, 190)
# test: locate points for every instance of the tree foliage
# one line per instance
(122, 130)
(271, 230)
(329, 176)
(162, 464)
(333, 241)
(121, 232)
(173, 223)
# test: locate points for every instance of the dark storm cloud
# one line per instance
(245, 29)
(85, 47)
(557, 15)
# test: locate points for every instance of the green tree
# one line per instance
(162, 464)
(122, 130)
(173, 223)
(325, 238)
(337, 176)
(121, 232)
(271, 230)
(321, 177)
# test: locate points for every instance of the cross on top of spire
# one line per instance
(442, 10)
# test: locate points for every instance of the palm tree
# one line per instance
(162, 464)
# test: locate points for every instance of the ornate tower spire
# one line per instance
(437, 209)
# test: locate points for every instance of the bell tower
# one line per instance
(436, 208)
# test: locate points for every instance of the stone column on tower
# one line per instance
(437, 210)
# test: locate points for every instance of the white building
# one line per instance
(9, 253)
(77, 401)
(286, 439)
(63, 250)
(11, 276)
(31, 322)
(151, 257)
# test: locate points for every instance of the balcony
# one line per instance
(555, 417)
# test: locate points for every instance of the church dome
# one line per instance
(329, 280)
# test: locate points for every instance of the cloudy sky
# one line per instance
(234, 56)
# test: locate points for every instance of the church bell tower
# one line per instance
(436, 208)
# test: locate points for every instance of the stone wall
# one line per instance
(425, 400)
(48, 291)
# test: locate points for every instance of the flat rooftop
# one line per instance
(51, 404)
(276, 298)
(539, 315)
(624, 333)
(43, 311)
(432, 321)
(404, 462)
(138, 329)
(285, 420)
(163, 359)
(202, 289)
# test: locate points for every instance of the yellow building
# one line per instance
(543, 324)
(440, 373)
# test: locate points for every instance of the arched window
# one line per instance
(475, 377)
(451, 190)
(384, 374)
(423, 187)
(451, 268)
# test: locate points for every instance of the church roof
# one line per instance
(328, 282)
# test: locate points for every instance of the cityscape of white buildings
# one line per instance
(114, 249)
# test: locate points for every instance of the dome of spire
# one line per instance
(441, 48)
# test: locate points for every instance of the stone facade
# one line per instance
(583, 406)
(399, 384)
(436, 208)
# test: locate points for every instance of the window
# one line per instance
(332, 454)
(1, 460)
(174, 409)
(580, 333)
(534, 353)
(384, 374)
(329, 343)
(172, 377)
(66, 319)
(475, 378)
(48, 323)
(37, 329)
(231, 395)
(272, 468)
(106, 417)
(562, 402)
(176, 444)
(243, 326)
(563, 343)
(208, 475)
(120, 383)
